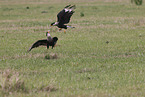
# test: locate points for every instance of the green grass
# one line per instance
(103, 56)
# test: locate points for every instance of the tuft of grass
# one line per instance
(27, 7)
(47, 56)
(82, 14)
(11, 82)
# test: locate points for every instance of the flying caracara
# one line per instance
(63, 17)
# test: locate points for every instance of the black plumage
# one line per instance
(44, 42)
(63, 17)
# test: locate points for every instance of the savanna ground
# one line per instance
(103, 56)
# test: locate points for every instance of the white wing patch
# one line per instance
(66, 10)
(70, 10)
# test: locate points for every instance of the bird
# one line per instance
(45, 42)
(63, 17)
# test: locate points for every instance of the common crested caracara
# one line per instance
(63, 17)
(45, 42)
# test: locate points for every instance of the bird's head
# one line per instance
(47, 32)
(54, 24)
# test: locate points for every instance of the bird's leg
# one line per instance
(65, 31)
(47, 46)
(52, 47)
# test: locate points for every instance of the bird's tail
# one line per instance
(70, 27)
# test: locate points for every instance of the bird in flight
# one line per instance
(45, 42)
(63, 17)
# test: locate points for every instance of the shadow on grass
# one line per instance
(51, 56)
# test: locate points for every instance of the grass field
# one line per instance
(103, 56)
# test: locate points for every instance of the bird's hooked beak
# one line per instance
(52, 24)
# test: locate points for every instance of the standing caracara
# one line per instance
(45, 42)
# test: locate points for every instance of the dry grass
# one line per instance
(11, 82)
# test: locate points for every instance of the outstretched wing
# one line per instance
(62, 13)
(69, 14)
(38, 43)
(67, 17)
(63, 17)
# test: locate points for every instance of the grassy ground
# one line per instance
(103, 56)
